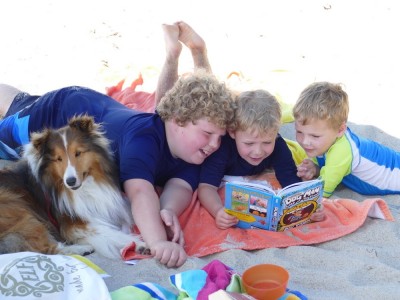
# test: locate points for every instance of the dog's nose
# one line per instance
(71, 181)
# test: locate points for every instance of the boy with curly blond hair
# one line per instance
(163, 149)
(151, 149)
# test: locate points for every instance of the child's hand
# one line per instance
(173, 227)
(307, 170)
(224, 220)
(169, 253)
(318, 215)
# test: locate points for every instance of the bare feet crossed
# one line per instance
(175, 35)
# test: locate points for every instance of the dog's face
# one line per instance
(69, 158)
(69, 155)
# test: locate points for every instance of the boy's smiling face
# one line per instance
(254, 147)
(316, 136)
(194, 141)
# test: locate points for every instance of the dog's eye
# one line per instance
(78, 153)
(59, 158)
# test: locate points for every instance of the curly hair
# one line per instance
(198, 95)
(258, 110)
(322, 101)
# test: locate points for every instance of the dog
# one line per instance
(63, 196)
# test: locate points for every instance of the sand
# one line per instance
(281, 46)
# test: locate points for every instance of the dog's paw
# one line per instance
(76, 249)
(141, 248)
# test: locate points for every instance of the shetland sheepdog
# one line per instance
(63, 196)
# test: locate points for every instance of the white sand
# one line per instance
(279, 45)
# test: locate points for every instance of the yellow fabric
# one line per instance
(287, 110)
(338, 162)
(298, 152)
(130, 293)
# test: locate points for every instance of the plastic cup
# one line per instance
(265, 281)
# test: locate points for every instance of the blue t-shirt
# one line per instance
(227, 161)
(138, 139)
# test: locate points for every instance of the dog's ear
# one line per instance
(83, 123)
(40, 139)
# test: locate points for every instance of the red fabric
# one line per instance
(131, 98)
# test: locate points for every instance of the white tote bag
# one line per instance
(29, 275)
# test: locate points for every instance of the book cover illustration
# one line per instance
(258, 206)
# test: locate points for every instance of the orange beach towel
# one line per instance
(202, 237)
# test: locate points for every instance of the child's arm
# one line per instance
(332, 174)
(173, 227)
(319, 214)
(209, 198)
(175, 198)
(336, 165)
(146, 214)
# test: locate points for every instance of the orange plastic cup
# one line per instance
(265, 281)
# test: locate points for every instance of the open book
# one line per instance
(258, 206)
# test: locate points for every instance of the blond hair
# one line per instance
(258, 111)
(198, 95)
(322, 101)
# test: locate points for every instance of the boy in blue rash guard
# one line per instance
(125, 128)
(333, 152)
(151, 149)
(251, 148)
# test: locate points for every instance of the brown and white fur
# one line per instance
(73, 169)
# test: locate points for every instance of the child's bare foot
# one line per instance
(7, 95)
(172, 44)
(190, 37)
(169, 72)
(196, 44)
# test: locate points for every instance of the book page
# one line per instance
(299, 202)
(298, 186)
(251, 203)
(256, 184)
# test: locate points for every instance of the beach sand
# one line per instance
(281, 46)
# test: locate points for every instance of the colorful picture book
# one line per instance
(257, 205)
